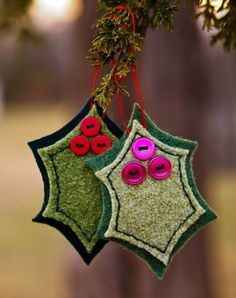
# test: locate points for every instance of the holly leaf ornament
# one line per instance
(73, 200)
(151, 204)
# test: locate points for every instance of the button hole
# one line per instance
(160, 167)
(100, 145)
(133, 172)
(90, 126)
(79, 145)
(141, 148)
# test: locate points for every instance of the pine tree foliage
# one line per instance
(221, 19)
(115, 38)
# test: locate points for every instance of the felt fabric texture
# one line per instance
(73, 201)
(153, 219)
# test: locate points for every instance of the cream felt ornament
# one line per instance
(151, 204)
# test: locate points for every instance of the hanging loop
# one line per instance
(135, 78)
(122, 7)
(119, 79)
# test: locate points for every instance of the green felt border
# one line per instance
(48, 141)
(98, 163)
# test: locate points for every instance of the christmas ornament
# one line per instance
(151, 204)
(137, 190)
(73, 202)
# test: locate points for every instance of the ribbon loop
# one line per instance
(119, 79)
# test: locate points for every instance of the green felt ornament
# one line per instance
(73, 201)
(153, 216)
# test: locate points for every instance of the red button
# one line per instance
(100, 144)
(90, 126)
(79, 145)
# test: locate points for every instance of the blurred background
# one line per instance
(189, 89)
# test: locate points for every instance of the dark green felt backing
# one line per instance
(69, 204)
(98, 163)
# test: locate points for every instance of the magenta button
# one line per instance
(133, 173)
(159, 168)
(143, 148)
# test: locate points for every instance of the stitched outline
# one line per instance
(183, 186)
(51, 156)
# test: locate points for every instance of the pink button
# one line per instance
(133, 173)
(90, 126)
(79, 145)
(100, 144)
(159, 168)
(143, 148)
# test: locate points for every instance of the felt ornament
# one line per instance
(73, 200)
(151, 204)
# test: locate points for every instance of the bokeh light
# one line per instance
(47, 13)
(216, 5)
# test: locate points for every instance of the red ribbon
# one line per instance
(119, 79)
